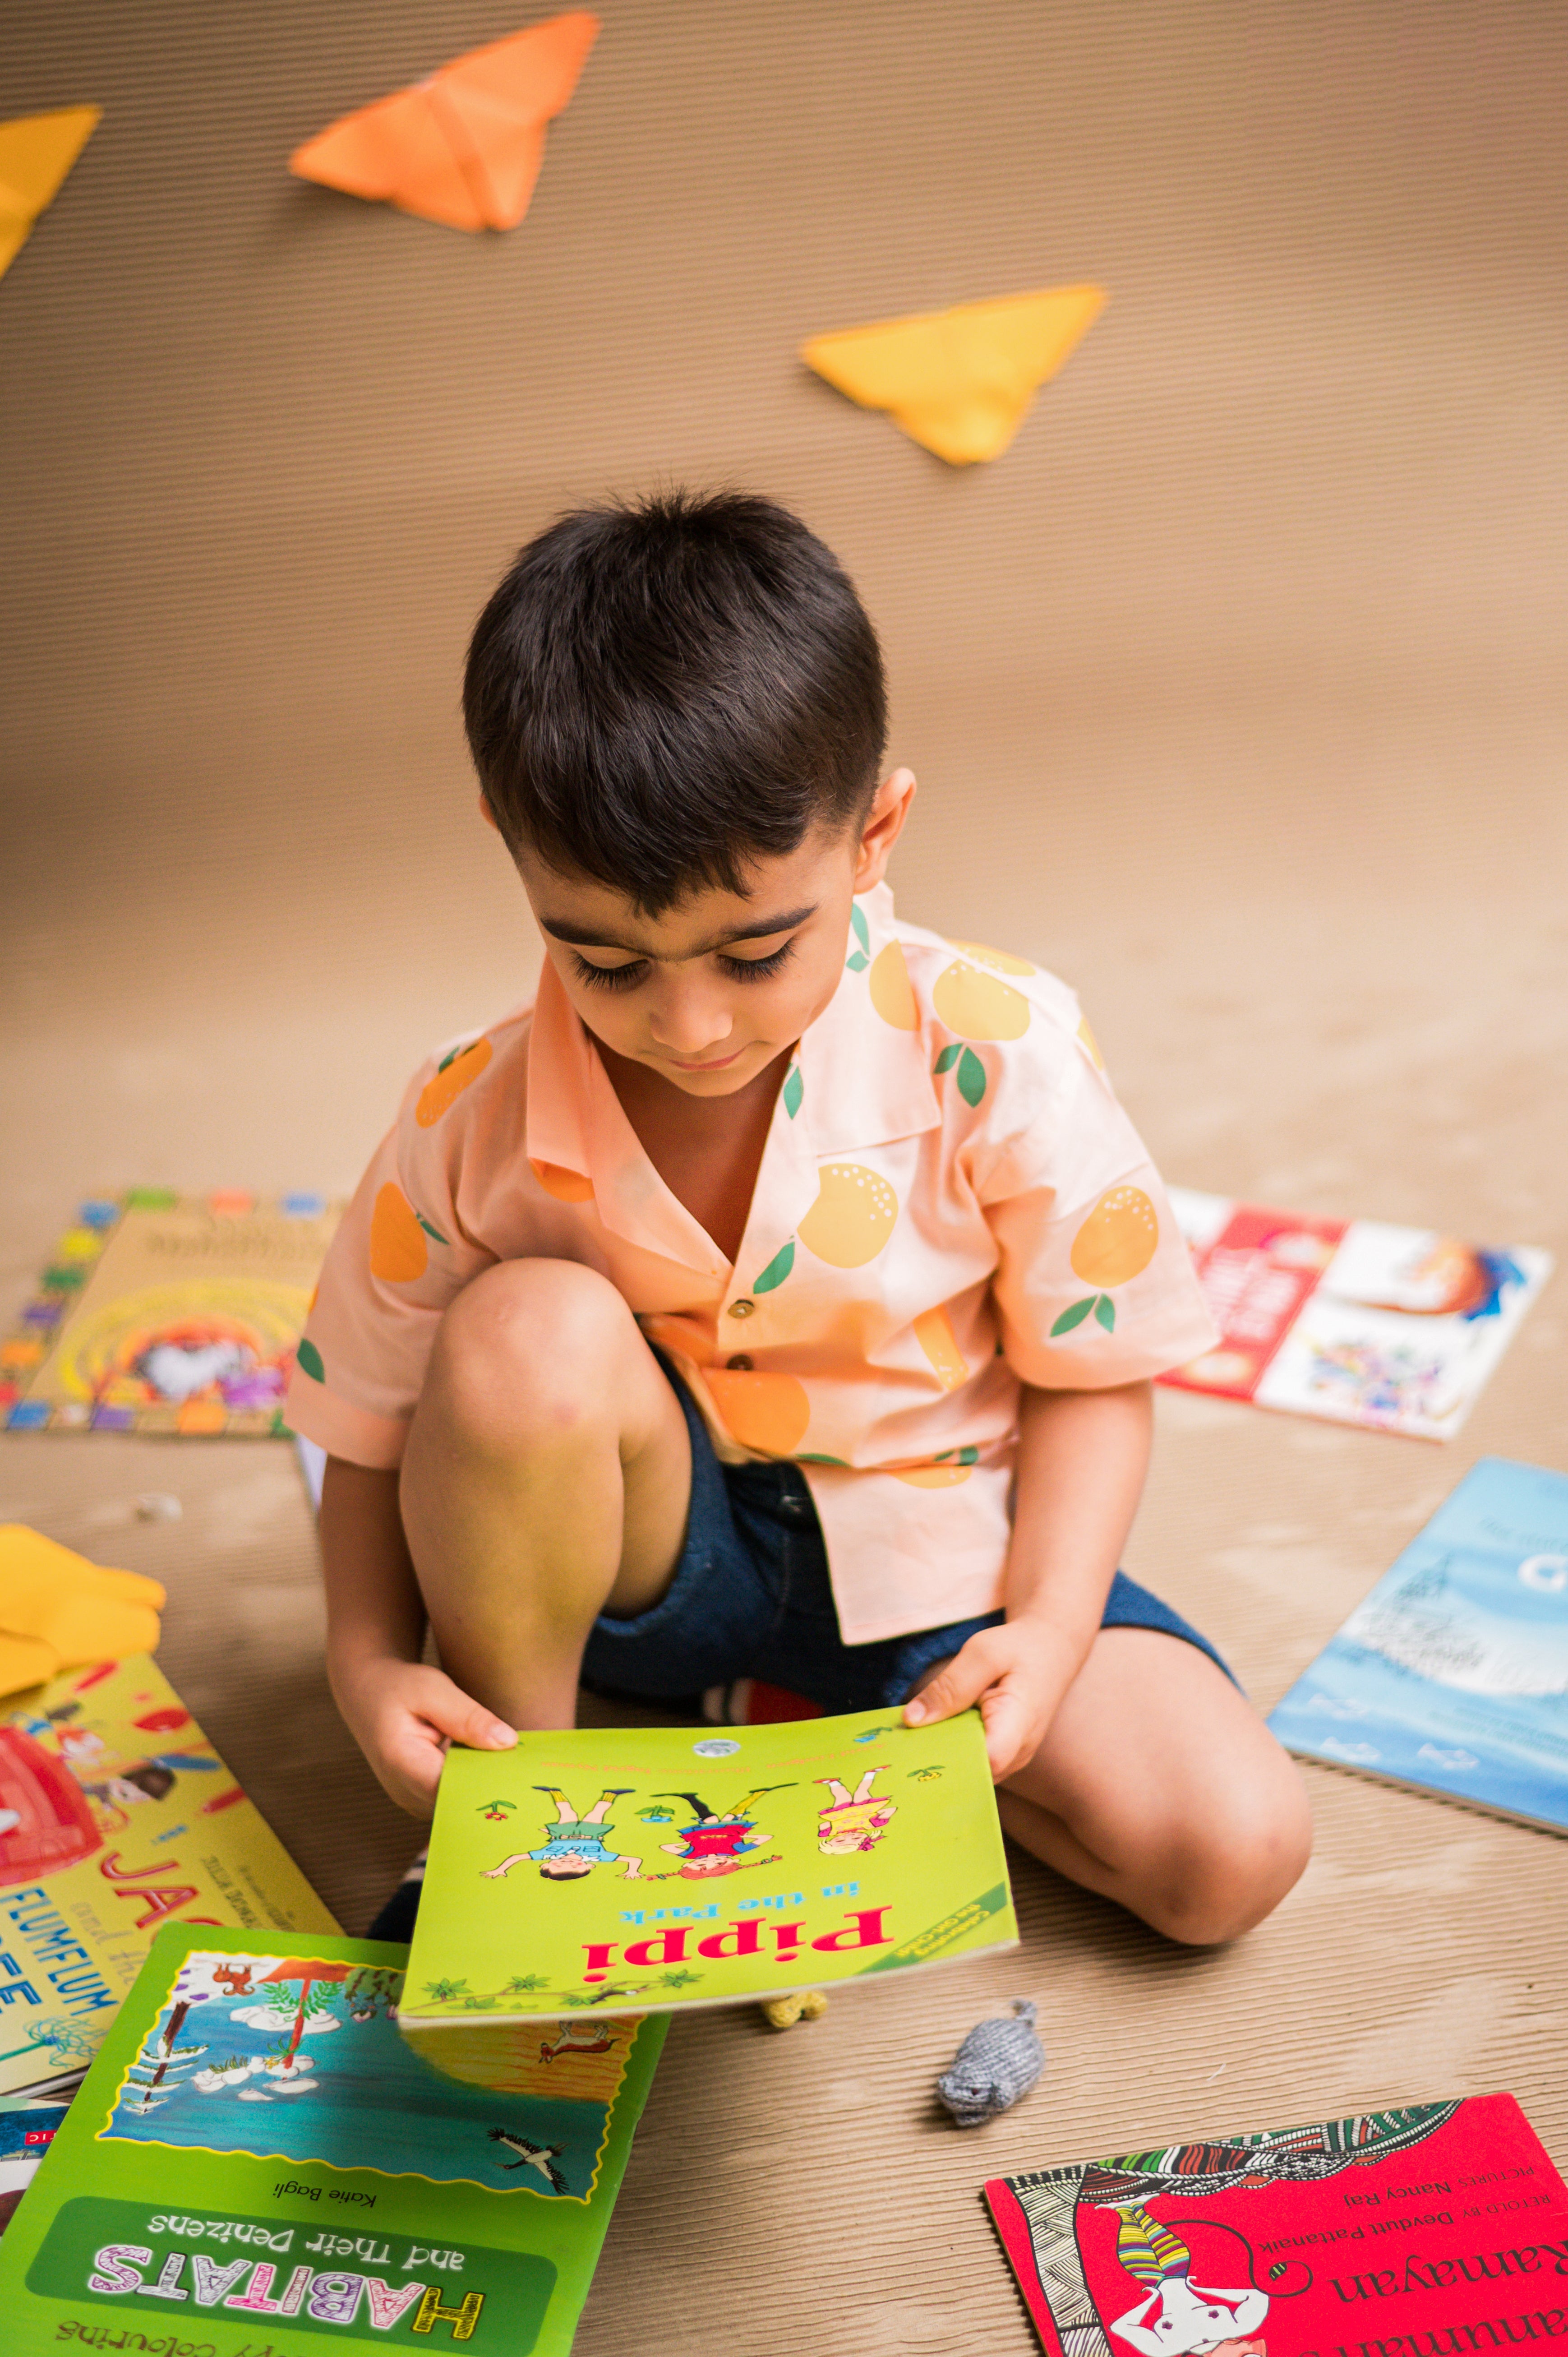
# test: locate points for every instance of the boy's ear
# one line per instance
(487, 813)
(883, 825)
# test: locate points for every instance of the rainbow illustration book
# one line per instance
(1353, 1321)
(611, 1869)
(168, 1314)
(258, 2160)
(117, 1817)
(1434, 2227)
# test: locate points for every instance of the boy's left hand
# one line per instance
(1017, 1673)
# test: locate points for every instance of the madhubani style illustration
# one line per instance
(300, 2058)
(1130, 2270)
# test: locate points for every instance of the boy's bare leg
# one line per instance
(1159, 1786)
(547, 1476)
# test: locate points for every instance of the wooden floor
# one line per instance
(1237, 696)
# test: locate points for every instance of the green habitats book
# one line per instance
(661, 1867)
(256, 2156)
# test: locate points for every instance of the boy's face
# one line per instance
(714, 990)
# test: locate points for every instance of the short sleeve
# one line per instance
(398, 1261)
(1094, 1284)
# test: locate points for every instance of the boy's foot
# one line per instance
(395, 1920)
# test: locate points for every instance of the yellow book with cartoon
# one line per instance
(638, 1869)
(116, 1816)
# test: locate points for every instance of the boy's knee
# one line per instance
(1223, 1877)
(530, 1346)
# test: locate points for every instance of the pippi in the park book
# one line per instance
(117, 1817)
(620, 1869)
(256, 2156)
(1422, 2232)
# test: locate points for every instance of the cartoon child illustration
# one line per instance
(853, 1821)
(714, 1845)
(1178, 2317)
(573, 1844)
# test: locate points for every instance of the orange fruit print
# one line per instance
(978, 1006)
(892, 992)
(1118, 1239)
(566, 1185)
(763, 1411)
(449, 1083)
(852, 1218)
(934, 1334)
(398, 1250)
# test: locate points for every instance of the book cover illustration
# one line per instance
(1453, 1675)
(116, 1816)
(1393, 2230)
(1395, 1329)
(168, 1314)
(27, 2131)
(617, 1868)
(256, 2152)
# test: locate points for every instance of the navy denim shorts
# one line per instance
(751, 1598)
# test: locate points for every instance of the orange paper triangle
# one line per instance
(959, 381)
(465, 146)
(36, 151)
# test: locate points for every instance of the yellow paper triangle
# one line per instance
(36, 151)
(959, 381)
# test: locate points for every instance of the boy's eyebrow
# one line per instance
(579, 937)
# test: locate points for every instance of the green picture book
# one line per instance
(590, 1872)
(257, 2156)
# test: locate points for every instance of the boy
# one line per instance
(780, 1293)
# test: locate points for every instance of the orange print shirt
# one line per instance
(950, 1203)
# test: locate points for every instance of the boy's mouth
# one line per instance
(712, 1064)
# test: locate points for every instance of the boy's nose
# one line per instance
(690, 1025)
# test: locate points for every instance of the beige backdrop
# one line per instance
(1237, 694)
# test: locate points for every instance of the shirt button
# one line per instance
(741, 1308)
(740, 1364)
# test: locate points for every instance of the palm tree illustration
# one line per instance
(307, 1970)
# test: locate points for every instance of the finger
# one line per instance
(1011, 1736)
(957, 1686)
(409, 1768)
(454, 1714)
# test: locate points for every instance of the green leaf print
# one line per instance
(794, 1090)
(970, 1077)
(433, 1233)
(810, 1457)
(858, 963)
(947, 1059)
(778, 1269)
(309, 1357)
(1105, 1310)
(1073, 1317)
(862, 929)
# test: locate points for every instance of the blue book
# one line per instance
(1453, 1675)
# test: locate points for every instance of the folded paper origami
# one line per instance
(959, 381)
(57, 1610)
(36, 151)
(465, 146)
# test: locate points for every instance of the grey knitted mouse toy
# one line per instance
(998, 2061)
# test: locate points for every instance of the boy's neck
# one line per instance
(707, 1150)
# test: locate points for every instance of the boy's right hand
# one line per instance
(404, 1714)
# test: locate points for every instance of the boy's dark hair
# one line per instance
(659, 694)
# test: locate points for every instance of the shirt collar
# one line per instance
(864, 1082)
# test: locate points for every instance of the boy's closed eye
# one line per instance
(627, 977)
